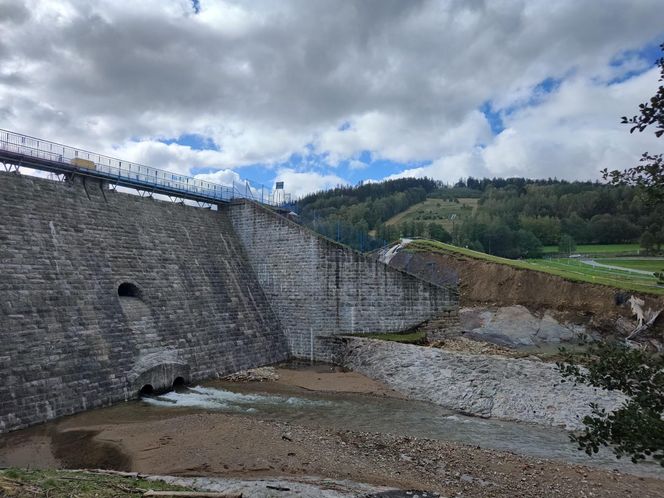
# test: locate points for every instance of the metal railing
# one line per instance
(24, 150)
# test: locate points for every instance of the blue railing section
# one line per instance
(52, 156)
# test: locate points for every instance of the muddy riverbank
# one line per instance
(195, 441)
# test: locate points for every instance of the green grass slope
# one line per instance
(22, 483)
(599, 250)
(643, 264)
(438, 211)
(570, 269)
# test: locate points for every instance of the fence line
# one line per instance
(135, 174)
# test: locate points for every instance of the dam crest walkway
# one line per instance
(18, 150)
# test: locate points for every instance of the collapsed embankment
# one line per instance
(483, 283)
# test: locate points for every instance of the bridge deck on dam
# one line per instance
(23, 150)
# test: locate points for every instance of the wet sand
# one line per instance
(320, 378)
(195, 443)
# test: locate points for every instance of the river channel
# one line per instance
(330, 410)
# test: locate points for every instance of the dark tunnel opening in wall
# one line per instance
(179, 383)
(126, 289)
(146, 390)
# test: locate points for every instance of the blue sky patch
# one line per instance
(650, 54)
(493, 117)
(193, 140)
(547, 85)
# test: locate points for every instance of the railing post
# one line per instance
(109, 167)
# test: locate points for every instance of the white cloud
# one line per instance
(399, 138)
(574, 133)
(225, 177)
(449, 168)
(266, 79)
(173, 157)
(357, 165)
(300, 183)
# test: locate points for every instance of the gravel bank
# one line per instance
(480, 385)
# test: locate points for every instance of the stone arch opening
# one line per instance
(146, 390)
(179, 383)
(159, 371)
(127, 289)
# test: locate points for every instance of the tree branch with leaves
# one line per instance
(635, 429)
(648, 175)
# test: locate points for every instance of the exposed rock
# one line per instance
(465, 345)
(516, 326)
(624, 326)
(482, 385)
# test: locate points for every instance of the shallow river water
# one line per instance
(318, 409)
(360, 412)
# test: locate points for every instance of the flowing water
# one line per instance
(359, 412)
(318, 409)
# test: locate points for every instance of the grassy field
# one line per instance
(436, 211)
(570, 269)
(645, 264)
(62, 483)
(593, 250)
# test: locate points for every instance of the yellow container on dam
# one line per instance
(83, 163)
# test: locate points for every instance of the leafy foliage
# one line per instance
(651, 113)
(660, 277)
(636, 429)
(513, 219)
(648, 175)
(515, 216)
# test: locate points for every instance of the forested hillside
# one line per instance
(511, 217)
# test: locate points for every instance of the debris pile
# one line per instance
(261, 374)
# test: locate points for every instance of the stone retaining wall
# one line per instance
(319, 288)
(105, 292)
(70, 342)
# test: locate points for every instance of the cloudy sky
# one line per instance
(323, 92)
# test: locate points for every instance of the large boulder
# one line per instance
(516, 326)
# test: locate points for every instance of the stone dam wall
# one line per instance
(104, 293)
(319, 288)
(70, 342)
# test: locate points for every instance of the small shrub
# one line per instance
(12, 473)
(660, 277)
